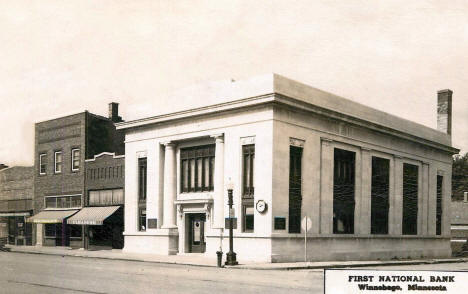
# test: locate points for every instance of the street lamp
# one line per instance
(231, 255)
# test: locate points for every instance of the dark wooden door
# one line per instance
(197, 233)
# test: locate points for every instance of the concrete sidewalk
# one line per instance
(202, 260)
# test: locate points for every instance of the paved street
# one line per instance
(34, 273)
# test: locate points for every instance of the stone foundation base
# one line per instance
(341, 249)
(160, 241)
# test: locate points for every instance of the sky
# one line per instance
(61, 57)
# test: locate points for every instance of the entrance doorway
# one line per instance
(196, 233)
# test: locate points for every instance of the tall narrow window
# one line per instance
(410, 199)
(142, 219)
(379, 195)
(58, 162)
(197, 168)
(343, 191)
(142, 177)
(248, 225)
(142, 188)
(295, 189)
(248, 159)
(42, 164)
(75, 159)
(248, 154)
(440, 180)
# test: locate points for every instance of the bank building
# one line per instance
(371, 185)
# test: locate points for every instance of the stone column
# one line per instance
(365, 211)
(326, 187)
(170, 186)
(39, 234)
(396, 199)
(218, 207)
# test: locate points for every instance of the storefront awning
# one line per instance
(51, 216)
(4, 214)
(92, 215)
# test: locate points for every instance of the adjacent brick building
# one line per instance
(16, 194)
(61, 147)
(104, 189)
(459, 226)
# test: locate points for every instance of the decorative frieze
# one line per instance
(296, 142)
(247, 140)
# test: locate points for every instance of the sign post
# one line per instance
(306, 225)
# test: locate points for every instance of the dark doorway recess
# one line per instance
(196, 233)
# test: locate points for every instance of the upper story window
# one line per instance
(75, 159)
(197, 168)
(42, 164)
(142, 178)
(58, 162)
(63, 201)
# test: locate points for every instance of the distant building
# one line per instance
(16, 194)
(61, 147)
(370, 184)
(102, 214)
(459, 225)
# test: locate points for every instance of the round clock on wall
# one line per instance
(261, 206)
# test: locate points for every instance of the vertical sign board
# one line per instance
(339, 281)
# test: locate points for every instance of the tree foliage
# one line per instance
(459, 176)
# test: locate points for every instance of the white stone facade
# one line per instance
(274, 113)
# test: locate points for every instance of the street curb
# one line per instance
(247, 267)
(110, 258)
(351, 265)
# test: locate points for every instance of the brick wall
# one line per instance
(16, 188)
(105, 172)
(62, 134)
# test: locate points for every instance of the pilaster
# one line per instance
(218, 207)
(326, 187)
(396, 199)
(170, 186)
(365, 207)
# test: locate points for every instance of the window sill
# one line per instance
(195, 195)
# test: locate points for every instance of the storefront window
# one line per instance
(75, 231)
(49, 230)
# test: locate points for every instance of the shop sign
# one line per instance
(338, 281)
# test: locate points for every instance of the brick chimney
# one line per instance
(444, 111)
(114, 112)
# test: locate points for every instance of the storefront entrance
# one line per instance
(196, 233)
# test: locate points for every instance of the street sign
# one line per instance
(306, 223)
(232, 212)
